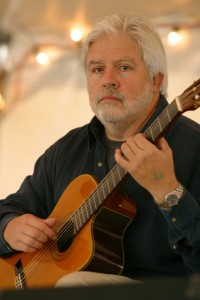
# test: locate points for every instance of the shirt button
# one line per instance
(99, 164)
(174, 247)
(173, 219)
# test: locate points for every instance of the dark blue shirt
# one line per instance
(157, 242)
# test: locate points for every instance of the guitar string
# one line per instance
(29, 269)
(70, 228)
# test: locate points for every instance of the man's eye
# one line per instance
(97, 70)
(125, 68)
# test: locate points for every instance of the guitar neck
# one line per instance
(164, 120)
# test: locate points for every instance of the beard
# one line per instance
(125, 110)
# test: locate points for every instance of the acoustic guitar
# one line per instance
(92, 220)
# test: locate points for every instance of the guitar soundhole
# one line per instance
(65, 237)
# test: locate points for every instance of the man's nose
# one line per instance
(110, 79)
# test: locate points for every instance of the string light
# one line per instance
(42, 58)
(76, 35)
(174, 38)
(2, 103)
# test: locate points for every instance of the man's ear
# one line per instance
(157, 82)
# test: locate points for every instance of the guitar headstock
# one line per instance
(190, 98)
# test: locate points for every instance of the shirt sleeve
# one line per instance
(184, 231)
(5, 247)
(34, 196)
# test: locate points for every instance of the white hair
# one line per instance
(139, 29)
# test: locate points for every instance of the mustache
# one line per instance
(110, 91)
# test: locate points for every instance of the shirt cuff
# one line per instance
(182, 215)
(4, 246)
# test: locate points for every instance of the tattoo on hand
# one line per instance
(158, 175)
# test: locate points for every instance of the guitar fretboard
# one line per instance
(162, 122)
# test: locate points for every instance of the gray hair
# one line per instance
(143, 32)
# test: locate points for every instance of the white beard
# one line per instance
(126, 111)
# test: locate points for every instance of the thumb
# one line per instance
(50, 222)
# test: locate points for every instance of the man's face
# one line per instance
(118, 82)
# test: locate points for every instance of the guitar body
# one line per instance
(98, 246)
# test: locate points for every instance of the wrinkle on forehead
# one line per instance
(123, 47)
(124, 59)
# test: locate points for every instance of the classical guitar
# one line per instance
(90, 227)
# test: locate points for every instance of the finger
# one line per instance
(120, 158)
(43, 226)
(143, 143)
(137, 143)
(35, 234)
(24, 242)
(162, 144)
(126, 151)
(28, 244)
(135, 146)
(50, 222)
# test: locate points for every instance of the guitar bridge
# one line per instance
(20, 282)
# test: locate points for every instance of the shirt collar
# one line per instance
(95, 131)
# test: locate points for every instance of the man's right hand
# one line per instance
(28, 233)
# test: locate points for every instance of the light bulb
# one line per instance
(2, 103)
(76, 35)
(42, 58)
(173, 38)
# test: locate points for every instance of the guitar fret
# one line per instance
(108, 186)
(121, 172)
(113, 180)
(75, 223)
(104, 195)
(90, 205)
(173, 110)
(168, 115)
(87, 213)
(159, 123)
(98, 197)
(151, 132)
(80, 216)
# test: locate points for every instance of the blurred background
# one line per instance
(42, 85)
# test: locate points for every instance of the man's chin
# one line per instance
(108, 118)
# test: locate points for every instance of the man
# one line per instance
(126, 75)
